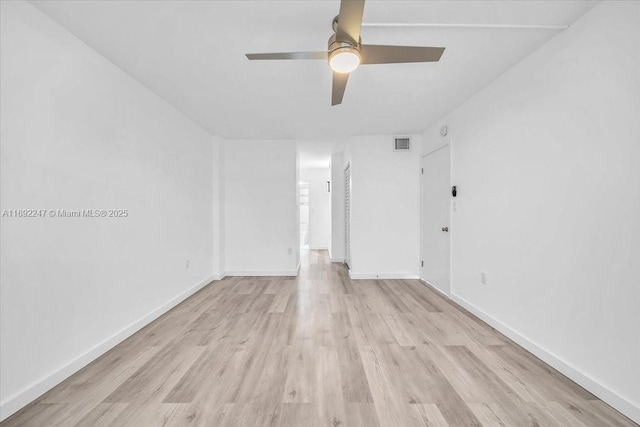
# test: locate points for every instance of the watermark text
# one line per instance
(64, 213)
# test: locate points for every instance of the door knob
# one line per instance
(445, 229)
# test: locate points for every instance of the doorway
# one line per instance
(436, 219)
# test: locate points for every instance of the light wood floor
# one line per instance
(317, 350)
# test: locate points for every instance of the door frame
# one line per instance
(347, 215)
(301, 185)
(449, 143)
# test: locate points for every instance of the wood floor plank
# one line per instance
(101, 377)
(361, 415)
(391, 298)
(36, 415)
(102, 415)
(156, 377)
(147, 414)
(555, 386)
(391, 411)
(431, 415)
(328, 397)
(490, 388)
(355, 386)
(400, 333)
(317, 350)
(279, 303)
(526, 390)
(300, 383)
(298, 414)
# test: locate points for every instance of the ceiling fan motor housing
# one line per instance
(336, 48)
(334, 44)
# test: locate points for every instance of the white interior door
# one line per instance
(436, 218)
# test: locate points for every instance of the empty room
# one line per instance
(319, 213)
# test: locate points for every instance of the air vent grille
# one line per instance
(401, 144)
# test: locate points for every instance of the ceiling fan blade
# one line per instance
(350, 21)
(377, 54)
(288, 55)
(339, 85)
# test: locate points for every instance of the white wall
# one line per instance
(78, 133)
(218, 198)
(319, 206)
(547, 163)
(261, 210)
(336, 242)
(385, 208)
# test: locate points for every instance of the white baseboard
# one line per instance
(218, 276)
(357, 276)
(28, 394)
(262, 273)
(440, 291)
(615, 400)
(336, 260)
(318, 248)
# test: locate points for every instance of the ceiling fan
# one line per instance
(346, 51)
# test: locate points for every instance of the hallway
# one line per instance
(317, 350)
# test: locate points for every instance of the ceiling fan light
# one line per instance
(344, 60)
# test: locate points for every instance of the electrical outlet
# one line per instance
(187, 264)
(483, 278)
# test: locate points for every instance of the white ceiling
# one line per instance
(191, 53)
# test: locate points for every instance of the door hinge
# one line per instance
(422, 263)
(422, 171)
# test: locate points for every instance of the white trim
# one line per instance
(266, 273)
(356, 276)
(28, 394)
(607, 395)
(292, 273)
(433, 287)
(347, 215)
(341, 260)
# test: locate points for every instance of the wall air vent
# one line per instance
(401, 143)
